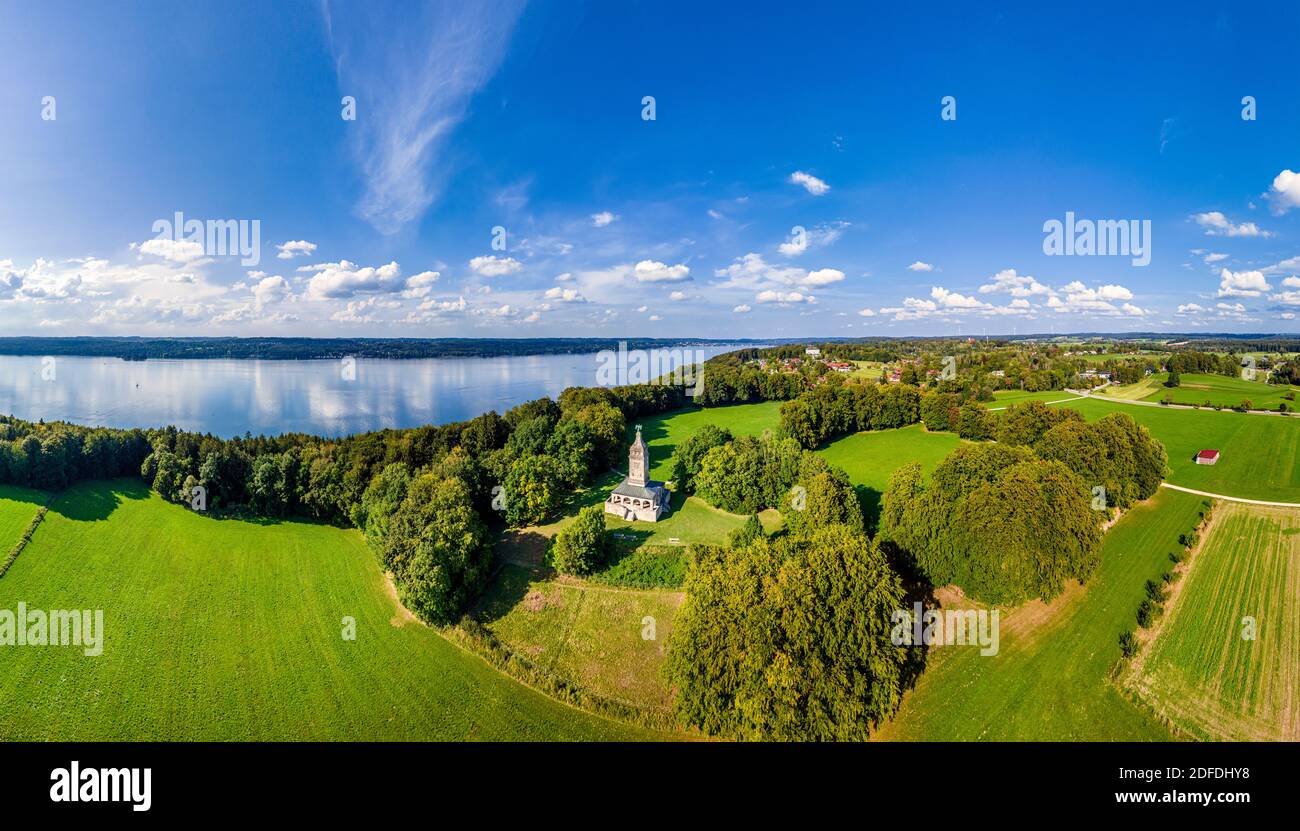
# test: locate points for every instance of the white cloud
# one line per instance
(1292, 282)
(412, 84)
(920, 266)
(867, 313)
(677, 295)
(564, 295)
(176, 251)
(344, 279)
(1242, 283)
(1218, 225)
(819, 237)
(600, 220)
(493, 266)
(293, 248)
(1079, 299)
(952, 300)
(652, 271)
(809, 182)
(794, 247)
(1190, 308)
(743, 308)
(1285, 193)
(753, 272)
(270, 290)
(1007, 281)
(823, 277)
(136, 310)
(1212, 258)
(912, 309)
(421, 284)
(771, 296)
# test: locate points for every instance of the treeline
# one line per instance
(839, 408)
(1286, 372)
(1015, 520)
(733, 378)
(139, 349)
(787, 639)
(1207, 363)
(747, 474)
(727, 379)
(53, 456)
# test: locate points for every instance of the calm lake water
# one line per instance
(230, 398)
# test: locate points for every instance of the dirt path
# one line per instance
(1231, 498)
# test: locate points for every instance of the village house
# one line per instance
(1207, 457)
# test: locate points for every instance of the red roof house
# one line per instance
(1207, 457)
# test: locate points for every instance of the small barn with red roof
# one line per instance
(1207, 457)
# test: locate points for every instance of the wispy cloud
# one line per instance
(413, 70)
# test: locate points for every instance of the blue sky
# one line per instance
(528, 117)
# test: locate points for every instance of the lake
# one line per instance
(323, 397)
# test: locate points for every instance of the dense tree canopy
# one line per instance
(838, 407)
(788, 639)
(689, 454)
(1026, 422)
(1114, 452)
(995, 520)
(437, 548)
(580, 547)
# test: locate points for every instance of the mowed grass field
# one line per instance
(1200, 672)
(231, 630)
(1004, 398)
(1051, 677)
(18, 506)
(1138, 391)
(1260, 454)
(663, 432)
(1221, 390)
(870, 458)
(610, 641)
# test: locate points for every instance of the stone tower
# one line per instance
(636, 461)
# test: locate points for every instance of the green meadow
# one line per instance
(663, 432)
(609, 641)
(1200, 671)
(232, 630)
(1220, 390)
(18, 506)
(1258, 452)
(1004, 398)
(1051, 679)
(870, 458)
